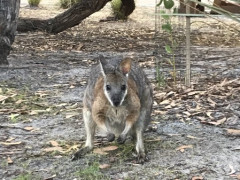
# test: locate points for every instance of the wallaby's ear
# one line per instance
(125, 65)
(102, 62)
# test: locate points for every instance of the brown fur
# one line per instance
(101, 104)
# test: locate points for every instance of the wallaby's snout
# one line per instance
(116, 100)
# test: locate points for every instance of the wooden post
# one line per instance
(9, 10)
(188, 45)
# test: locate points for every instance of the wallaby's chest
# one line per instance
(116, 114)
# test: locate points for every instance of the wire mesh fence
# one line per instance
(214, 38)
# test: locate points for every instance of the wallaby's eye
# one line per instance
(123, 87)
(108, 87)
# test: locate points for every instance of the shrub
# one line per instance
(116, 6)
(68, 3)
(33, 3)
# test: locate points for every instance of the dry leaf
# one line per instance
(197, 178)
(165, 102)
(196, 92)
(232, 169)
(201, 118)
(54, 143)
(2, 98)
(70, 115)
(51, 149)
(193, 137)
(168, 107)
(159, 112)
(182, 148)
(51, 177)
(218, 122)
(233, 132)
(10, 143)
(28, 128)
(74, 147)
(209, 115)
(212, 103)
(99, 151)
(104, 150)
(110, 148)
(9, 160)
(10, 139)
(104, 166)
(170, 93)
(36, 112)
(187, 113)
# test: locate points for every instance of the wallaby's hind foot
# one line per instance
(80, 153)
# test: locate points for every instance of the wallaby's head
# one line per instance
(115, 80)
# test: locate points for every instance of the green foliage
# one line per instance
(160, 78)
(91, 172)
(116, 6)
(167, 27)
(68, 3)
(34, 3)
(168, 49)
(24, 177)
(168, 4)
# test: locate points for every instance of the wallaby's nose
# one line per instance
(116, 101)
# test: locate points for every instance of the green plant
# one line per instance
(34, 3)
(68, 3)
(160, 78)
(171, 44)
(27, 176)
(116, 8)
(91, 172)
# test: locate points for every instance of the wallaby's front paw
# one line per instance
(80, 153)
(121, 139)
(110, 137)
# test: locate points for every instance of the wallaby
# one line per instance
(118, 100)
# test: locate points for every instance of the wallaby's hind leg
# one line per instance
(90, 127)
(139, 138)
(143, 120)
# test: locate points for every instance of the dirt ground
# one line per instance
(194, 132)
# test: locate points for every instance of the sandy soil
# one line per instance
(194, 132)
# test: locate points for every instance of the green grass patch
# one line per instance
(92, 172)
(24, 177)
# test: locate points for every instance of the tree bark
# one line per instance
(71, 17)
(9, 10)
(127, 7)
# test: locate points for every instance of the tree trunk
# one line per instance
(127, 7)
(9, 10)
(71, 17)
